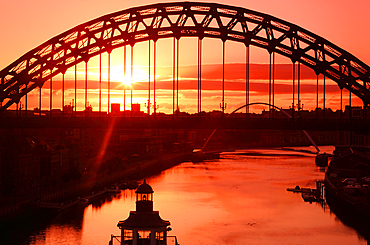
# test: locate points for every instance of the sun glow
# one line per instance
(117, 75)
(139, 75)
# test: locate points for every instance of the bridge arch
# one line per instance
(179, 19)
(267, 104)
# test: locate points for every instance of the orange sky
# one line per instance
(26, 24)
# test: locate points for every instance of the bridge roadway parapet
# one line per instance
(360, 125)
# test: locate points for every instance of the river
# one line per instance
(240, 198)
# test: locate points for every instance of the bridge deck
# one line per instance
(187, 123)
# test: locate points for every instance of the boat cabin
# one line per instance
(144, 226)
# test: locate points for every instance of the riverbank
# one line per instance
(16, 205)
(347, 188)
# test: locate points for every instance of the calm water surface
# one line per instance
(238, 199)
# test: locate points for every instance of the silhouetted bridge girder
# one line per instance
(359, 125)
(181, 19)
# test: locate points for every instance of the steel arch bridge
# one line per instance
(180, 19)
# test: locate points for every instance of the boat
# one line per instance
(347, 187)
(309, 197)
(200, 156)
(113, 189)
(295, 189)
(130, 184)
(298, 189)
(83, 201)
(308, 194)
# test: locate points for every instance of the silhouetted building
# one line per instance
(136, 107)
(68, 109)
(144, 226)
(116, 107)
(31, 164)
(136, 112)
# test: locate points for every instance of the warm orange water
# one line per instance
(239, 199)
